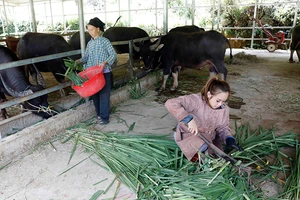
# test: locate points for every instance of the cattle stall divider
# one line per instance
(18, 100)
(30, 61)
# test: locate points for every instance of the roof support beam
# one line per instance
(34, 29)
(81, 26)
(6, 21)
(165, 16)
(253, 24)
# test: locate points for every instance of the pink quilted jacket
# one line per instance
(214, 123)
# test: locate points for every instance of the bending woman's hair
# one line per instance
(215, 86)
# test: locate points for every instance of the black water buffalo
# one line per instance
(152, 60)
(115, 34)
(295, 43)
(183, 29)
(187, 29)
(74, 41)
(41, 44)
(14, 82)
(191, 50)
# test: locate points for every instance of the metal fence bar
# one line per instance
(257, 27)
(253, 39)
(37, 59)
(130, 59)
(59, 55)
(34, 95)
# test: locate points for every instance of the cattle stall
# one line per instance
(259, 84)
(124, 71)
(157, 17)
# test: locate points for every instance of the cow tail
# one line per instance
(230, 49)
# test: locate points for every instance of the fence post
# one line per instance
(253, 25)
(130, 59)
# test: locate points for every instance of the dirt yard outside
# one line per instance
(266, 88)
(270, 89)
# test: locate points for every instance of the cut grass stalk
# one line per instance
(155, 168)
(292, 186)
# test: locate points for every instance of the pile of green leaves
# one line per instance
(154, 167)
(136, 89)
(292, 186)
(72, 68)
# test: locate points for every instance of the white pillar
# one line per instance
(165, 17)
(81, 26)
(34, 28)
(253, 25)
(6, 21)
(64, 18)
(193, 12)
(51, 15)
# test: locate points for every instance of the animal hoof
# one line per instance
(291, 61)
(159, 89)
(173, 88)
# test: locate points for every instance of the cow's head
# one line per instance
(149, 52)
(38, 105)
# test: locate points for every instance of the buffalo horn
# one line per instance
(14, 93)
(41, 79)
(155, 45)
(136, 48)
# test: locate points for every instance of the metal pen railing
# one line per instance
(55, 56)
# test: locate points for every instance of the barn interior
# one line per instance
(31, 148)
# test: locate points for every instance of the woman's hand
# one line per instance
(104, 63)
(192, 127)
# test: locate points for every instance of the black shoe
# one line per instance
(103, 121)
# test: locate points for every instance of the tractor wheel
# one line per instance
(271, 47)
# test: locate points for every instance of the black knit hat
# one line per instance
(97, 23)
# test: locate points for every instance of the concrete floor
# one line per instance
(39, 174)
(29, 173)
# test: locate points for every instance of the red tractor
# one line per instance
(274, 42)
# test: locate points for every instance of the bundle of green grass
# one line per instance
(154, 167)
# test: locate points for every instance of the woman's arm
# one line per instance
(111, 52)
(223, 129)
(182, 106)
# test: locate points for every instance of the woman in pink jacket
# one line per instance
(206, 113)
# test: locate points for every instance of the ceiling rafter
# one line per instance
(22, 2)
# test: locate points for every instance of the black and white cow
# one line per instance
(41, 44)
(14, 82)
(191, 50)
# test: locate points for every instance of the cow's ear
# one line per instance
(159, 47)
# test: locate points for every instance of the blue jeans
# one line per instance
(102, 98)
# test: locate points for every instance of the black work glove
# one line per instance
(231, 144)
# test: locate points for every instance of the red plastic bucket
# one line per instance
(95, 83)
